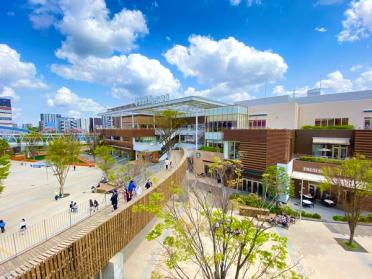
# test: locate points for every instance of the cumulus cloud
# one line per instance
(16, 73)
(88, 26)
(364, 81)
(67, 100)
(8, 92)
(226, 65)
(249, 2)
(334, 83)
(356, 68)
(130, 75)
(357, 24)
(320, 29)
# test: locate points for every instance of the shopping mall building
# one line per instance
(292, 132)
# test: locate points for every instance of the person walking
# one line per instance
(23, 226)
(131, 188)
(2, 226)
(148, 184)
(96, 204)
(91, 206)
(114, 199)
(74, 168)
(166, 161)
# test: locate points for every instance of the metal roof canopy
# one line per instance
(187, 105)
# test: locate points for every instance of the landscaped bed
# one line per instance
(362, 219)
(253, 200)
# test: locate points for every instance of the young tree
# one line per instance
(4, 163)
(32, 139)
(93, 140)
(105, 160)
(168, 121)
(120, 176)
(62, 152)
(276, 182)
(353, 178)
(206, 240)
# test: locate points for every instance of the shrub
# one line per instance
(320, 160)
(362, 219)
(332, 127)
(210, 149)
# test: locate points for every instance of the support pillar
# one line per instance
(115, 268)
(226, 150)
(196, 131)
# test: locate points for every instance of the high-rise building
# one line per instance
(67, 124)
(50, 122)
(5, 112)
(27, 125)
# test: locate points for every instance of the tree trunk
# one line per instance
(352, 226)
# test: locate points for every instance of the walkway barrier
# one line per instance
(83, 250)
(16, 243)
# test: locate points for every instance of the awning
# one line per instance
(342, 141)
(307, 176)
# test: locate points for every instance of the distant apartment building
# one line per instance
(89, 124)
(5, 112)
(68, 125)
(27, 126)
(50, 122)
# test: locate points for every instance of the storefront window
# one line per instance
(367, 122)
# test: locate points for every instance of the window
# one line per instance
(252, 186)
(367, 122)
(324, 122)
(257, 124)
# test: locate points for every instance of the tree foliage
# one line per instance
(94, 140)
(62, 152)
(32, 140)
(353, 181)
(203, 239)
(105, 161)
(4, 163)
(167, 123)
(276, 182)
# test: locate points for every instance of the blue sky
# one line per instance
(80, 57)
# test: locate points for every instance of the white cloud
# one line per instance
(364, 81)
(14, 72)
(65, 99)
(88, 26)
(9, 92)
(249, 2)
(279, 90)
(16, 113)
(335, 82)
(320, 29)
(130, 75)
(356, 68)
(358, 22)
(226, 66)
(327, 2)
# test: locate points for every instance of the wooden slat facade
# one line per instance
(93, 242)
(262, 148)
(131, 133)
(363, 142)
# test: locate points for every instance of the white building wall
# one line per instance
(352, 109)
(279, 116)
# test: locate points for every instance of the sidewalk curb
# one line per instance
(334, 222)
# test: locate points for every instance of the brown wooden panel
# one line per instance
(363, 142)
(128, 132)
(118, 143)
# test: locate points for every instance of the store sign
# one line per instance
(312, 170)
(151, 100)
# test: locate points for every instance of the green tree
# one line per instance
(120, 176)
(32, 140)
(276, 182)
(4, 163)
(62, 152)
(353, 180)
(203, 239)
(94, 140)
(105, 161)
(168, 121)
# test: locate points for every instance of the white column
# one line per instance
(196, 131)
(226, 150)
(114, 268)
(302, 191)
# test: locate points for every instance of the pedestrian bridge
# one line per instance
(83, 250)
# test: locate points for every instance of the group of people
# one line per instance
(93, 205)
(283, 219)
(73, 207)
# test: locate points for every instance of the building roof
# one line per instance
(191, 104)
(323, 98)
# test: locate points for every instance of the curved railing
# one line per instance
(83, 250)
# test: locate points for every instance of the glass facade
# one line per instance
(229, 117)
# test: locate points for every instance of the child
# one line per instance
(23, 226)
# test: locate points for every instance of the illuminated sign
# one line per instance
(151, 100)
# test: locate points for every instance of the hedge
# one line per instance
(210, 149)
(320, 160)
(362, 219)
(332, 127)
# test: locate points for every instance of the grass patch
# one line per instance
(320, 160)
(211, 149)
(362, 219)
(354, 247)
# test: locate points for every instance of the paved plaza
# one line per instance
(29, 193)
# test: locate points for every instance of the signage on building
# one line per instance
(151, 100)
(312, 170)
